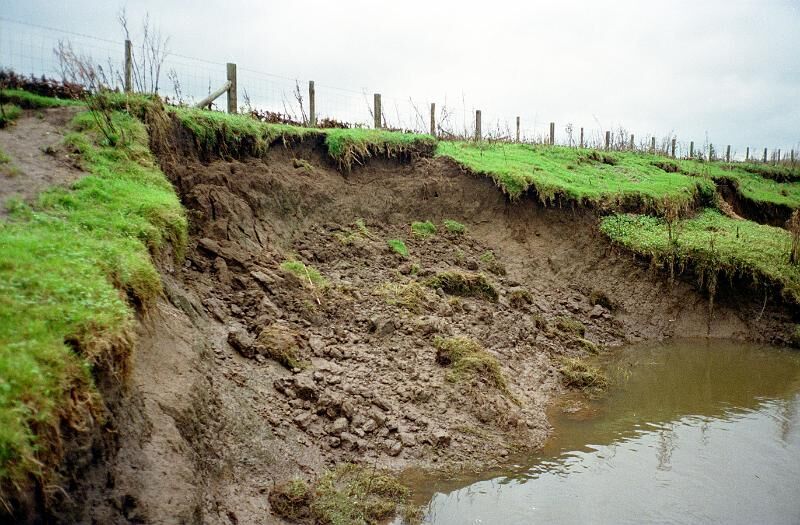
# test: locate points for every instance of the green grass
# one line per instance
(423, 228)
(454, 227)
(306, 273)
(4, 158)
(463, 284)
(605, 180)
(398, 246)
(27, 100)
(68, 263)
(467, 360)
(713, 243)
(9, 113)
(577, 373)
(240, 135)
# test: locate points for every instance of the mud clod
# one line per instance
(464, 285)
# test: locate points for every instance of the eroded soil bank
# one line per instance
(214, 421)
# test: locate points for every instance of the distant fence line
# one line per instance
(192, 76)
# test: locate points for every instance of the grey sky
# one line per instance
(730, 69)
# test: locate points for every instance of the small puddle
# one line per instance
(694, 431)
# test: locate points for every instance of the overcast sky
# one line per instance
(726, 69)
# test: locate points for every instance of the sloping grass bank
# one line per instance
(713, 244)
(70, 267)
(241, 135)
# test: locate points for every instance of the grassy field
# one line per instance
(712, 243)
(604, 180)
(68, 265)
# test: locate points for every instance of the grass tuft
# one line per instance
(398, 246)
(570, 326)
(307, 274)
(468, 360)
(454, 227)
(412, 296)
(8, 114)
(576, 373)
(348, 495)
(423, 229)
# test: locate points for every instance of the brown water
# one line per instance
(693, 432)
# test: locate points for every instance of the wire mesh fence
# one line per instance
(31, 49)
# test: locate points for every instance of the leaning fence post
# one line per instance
(691, 149)
(312, 104)
(581, 138)
(728, 153)
(673, 147)
(478, 124)
(552, 133)
(765, 154)
(517, 129)
(233, 103)
(128, 67)
(433, 118)
(377, 110)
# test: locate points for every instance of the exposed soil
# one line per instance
(760, 212)
(212, 421)
(38, 159)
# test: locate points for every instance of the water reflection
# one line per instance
(696, 431)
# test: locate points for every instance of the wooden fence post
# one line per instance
(433, 118)
(233, 102)
(581, 138)
(778, 156)
(478, 124)
(312, 104)
(791, 155)
(376, 110)
(128, 67)
(653, 145)
(728, 153)
(608, 139)
(517, 129)
(765, 154)
(552, 133)
(673, 147)
(747, 154)
(691, 149)
(631, 146)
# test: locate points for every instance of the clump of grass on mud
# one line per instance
(463, 284)
(613, 180)
(305, 273)
(63, 262)
(348, 495)
(398, 247)
(412, 296)
(712, 243)
(467, 360)
(571, 326)
(577, 373)
(8, 114)
(423, 229)
(454, 227)
(359, 234)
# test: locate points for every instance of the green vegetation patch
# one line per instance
(464, 284)
(27, 100)
(454, 227)
(468, 360)
(423, 228)
(281, 343)
(347, 495)
(306, 273)
(355, 145)
(67, 264)
(398, 246)
(712, 243)
(571, 326)
(577, 373)
(8, 114)
(412, 296)
(608, 180)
